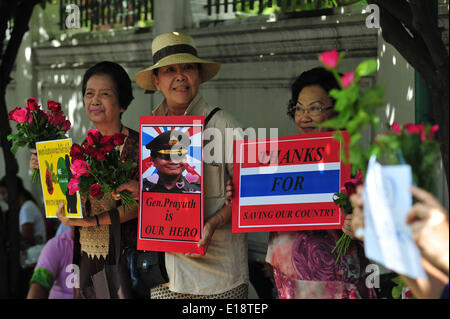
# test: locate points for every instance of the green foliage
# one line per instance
(411, 146)
(52, 173)
(343, 201)
(355, 107)
(304, 5)
(398, 289)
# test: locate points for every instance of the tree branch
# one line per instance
(21, 22)
(399, 9)
(416, 54)
(430, 35)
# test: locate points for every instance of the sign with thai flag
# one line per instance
(171, 215)
(288, 183)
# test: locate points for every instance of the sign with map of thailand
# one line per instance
(54, 168)
(288, 183)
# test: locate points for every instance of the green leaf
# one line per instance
(14, 148)
(366, 68)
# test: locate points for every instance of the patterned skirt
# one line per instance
(163, 292)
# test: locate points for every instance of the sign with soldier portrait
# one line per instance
(171, 184)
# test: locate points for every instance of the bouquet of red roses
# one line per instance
(97, 168)
(35, 124)
(412, 144)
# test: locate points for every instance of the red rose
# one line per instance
(80, 168)
(347, 79)
(93, 137)
(32, 104)
(53, 106)
(19, 115)
(58, 119)
(351, 184)
(433, 130)
(118, 138)
(107, 143)
(97, 154)
(74, 185)
(95, 190)
(396, 128)
(66, 125)
(418, 128)
(330, 59)
(76, 152)
(100, 154)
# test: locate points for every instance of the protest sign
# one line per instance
(55, 173)
(288, 183)
(171, 213)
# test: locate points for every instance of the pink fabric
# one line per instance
(56, 256)
(304, 267)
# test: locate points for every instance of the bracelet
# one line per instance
(96, 218)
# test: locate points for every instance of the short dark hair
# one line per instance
(20, 188)
(317, 76)
(119, 76)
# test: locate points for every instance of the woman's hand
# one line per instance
(208, 231)
(132, 186)
(357, 221)
(71, 221)
(430, 228)
(347, 227)
(34, 163)
(229, 193)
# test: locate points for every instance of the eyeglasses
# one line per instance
(314, 110)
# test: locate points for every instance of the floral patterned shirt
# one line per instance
(304, 267)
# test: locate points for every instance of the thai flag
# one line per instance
(290, 186)
(304, 183)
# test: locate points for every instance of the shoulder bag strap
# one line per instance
(115, 231)
(210, 115)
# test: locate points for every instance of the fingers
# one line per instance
(60, 215)
(229, 193)
(424, 196)
(131, 185)
(418, 212)
(34, 163)
(347, 227)
(357, 219)
(115, 195)
(208, 232)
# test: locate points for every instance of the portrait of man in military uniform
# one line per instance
(168, 154)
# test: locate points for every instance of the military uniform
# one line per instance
(182, 186)
(166, 145)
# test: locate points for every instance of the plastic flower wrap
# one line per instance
(35, 125)
(97, 168)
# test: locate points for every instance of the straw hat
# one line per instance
(172, 48)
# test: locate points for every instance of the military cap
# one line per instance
(169, 143)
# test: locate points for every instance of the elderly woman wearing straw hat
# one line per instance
(222, 272)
